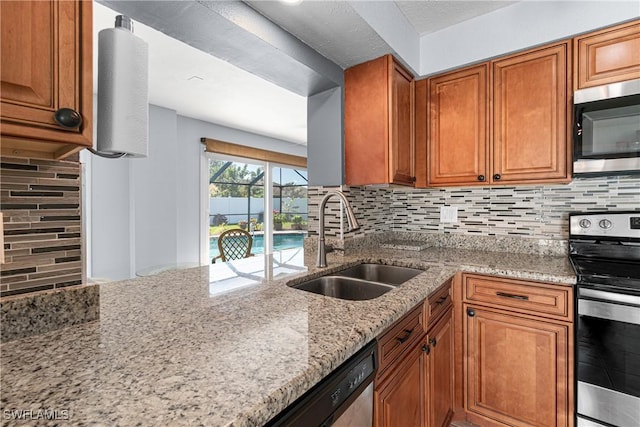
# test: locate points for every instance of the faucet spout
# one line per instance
(351, 220)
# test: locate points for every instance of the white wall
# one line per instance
(154, 183)
(516, 27)
(147, 212)
(325, 135)
(106, 203)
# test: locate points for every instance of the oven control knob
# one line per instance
(605, 223)
(585, 223)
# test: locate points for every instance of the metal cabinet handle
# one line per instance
(433, 341)
(481, 178)
(497, 177)
(512, 296)
(67, 118)
(404, 339)
(441, 300)
(470, 312)
(426, 348)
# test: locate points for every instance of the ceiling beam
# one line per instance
(236, 33)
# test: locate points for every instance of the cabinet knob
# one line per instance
(67, 118)
(470, 312)
(497, 177)
(433, 341)
(413, 179)
(480, 177)
(426, 348)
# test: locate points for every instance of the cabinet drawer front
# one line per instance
(400, 337)
(526, 297)
(438, 303)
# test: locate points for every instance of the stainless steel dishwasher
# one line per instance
(344, 398)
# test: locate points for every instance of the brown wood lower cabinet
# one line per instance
(399, 399)
(416, 390)
(518, 365)
(440, 372)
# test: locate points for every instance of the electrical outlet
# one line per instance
(448, 214)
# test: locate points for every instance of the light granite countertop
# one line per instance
(226, 345)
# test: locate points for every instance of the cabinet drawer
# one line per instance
(526, 297)
(400, 337)
(437, 303)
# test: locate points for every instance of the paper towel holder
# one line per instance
(119, 44)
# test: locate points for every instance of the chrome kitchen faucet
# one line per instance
(351, 220)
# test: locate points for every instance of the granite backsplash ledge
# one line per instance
(415, 241)
(40, 312)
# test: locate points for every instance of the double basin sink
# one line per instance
(360, 282)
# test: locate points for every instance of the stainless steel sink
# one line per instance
(360, 282)
(387, 274)
(344, 288)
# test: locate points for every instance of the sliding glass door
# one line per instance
(267, 200)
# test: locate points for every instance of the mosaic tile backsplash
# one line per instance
(40, 201)
(537, 211)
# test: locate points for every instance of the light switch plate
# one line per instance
(448, 214)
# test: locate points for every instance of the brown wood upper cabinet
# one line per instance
(378, 127)
(503, 121)
(458, 131)
(46, 57)
(607, 56)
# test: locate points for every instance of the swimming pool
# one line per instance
(280, 241)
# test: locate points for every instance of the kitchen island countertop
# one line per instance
(221, 345)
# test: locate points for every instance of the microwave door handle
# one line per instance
(578, 123)
(577, 133)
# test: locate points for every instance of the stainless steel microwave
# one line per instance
(607, 129)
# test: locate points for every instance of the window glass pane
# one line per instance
(221, 171)
(290, 199)
(236, 200)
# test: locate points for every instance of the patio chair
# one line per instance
(234, 244)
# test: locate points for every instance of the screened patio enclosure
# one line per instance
(236, 200)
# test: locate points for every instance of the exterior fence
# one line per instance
(237, 209)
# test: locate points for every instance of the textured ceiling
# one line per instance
(432, 15)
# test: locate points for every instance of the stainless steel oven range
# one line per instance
(604, 248)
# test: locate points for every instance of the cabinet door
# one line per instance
(517, 368)
(457, 132)
(46, 65)
(440, 372)
(366, 122)
(608, 56)
(402, 152)
(530, 116)
(378, 123)
(400, 398)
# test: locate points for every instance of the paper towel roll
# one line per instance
(123, 93)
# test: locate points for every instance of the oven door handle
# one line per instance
(613, 297)
(609, 309)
